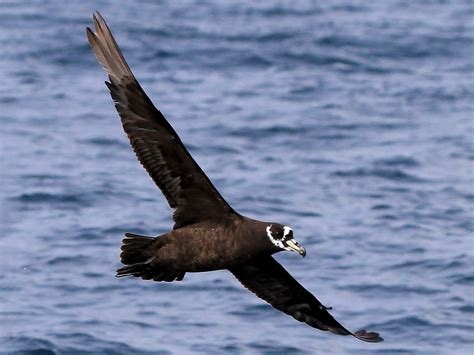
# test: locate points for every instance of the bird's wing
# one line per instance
(271, 282)
(156, 144)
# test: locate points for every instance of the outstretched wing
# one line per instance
(271, 282)
(156, 144)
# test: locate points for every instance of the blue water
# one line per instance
(349, 121)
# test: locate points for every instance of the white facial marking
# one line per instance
(286, 231)
(269, 232)
(277, 243)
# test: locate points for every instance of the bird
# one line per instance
(208, 234)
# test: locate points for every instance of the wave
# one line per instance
(392, 174)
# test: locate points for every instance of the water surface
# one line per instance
(349, 121)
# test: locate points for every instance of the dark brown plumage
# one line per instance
(208, 234)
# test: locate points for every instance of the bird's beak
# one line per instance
(293, 246)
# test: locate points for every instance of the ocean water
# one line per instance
(351, 121)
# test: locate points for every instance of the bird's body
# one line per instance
(207, 234)
(204, 246)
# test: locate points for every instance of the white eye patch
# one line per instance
(275, 242)
(286, 230)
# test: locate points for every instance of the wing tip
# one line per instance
(371, 337)
(90, 35)
(106, 49)
(99, 16)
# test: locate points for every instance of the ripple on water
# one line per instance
(393, 174)
(400, 161)
(28, 345)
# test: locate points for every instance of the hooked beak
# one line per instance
(292, 245)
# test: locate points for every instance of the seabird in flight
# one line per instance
(207, 234)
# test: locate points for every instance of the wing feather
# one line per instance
(267, 279)
(156, 144)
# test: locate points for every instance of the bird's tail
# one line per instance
(138, 256)
(135, 249)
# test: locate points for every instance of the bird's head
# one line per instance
(282, 238)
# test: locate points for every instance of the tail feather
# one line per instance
(132, 270)
(138, 255)
(135, 249)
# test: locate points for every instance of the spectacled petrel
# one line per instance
(207, 233)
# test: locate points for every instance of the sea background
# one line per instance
(351, 121)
